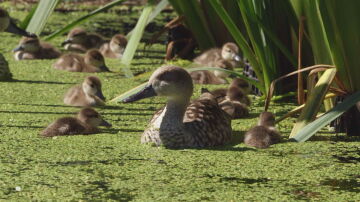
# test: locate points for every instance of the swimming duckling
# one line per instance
(7, 25)
(93, 61)
(31, 48)
(79, 40)
(89, 93)
(216, 77)
(86, 122)
(200, 123)
(115, 48)
(228, 52)
(264, 134)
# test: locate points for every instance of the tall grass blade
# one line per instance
(314, 101)
(310, 129)
(135, 38)
(82, 19)
(28, 17)
(41, 15)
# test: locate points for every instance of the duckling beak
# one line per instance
(12, 28)
(237, 58)
(148, 91)
(18, 48)
(66, 42)
(105, 123)
(100, 95)
(104, 68)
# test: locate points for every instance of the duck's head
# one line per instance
(242, 84)
(95, 58)
(224, 64)
(92, 87)
(173, 82)
(235, 93)
(118, 43)
(230, 51)
(266, 119)
(7, 25)
(28, 44)
(92, 117)
(76, 35)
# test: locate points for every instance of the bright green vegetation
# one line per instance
(114, 165)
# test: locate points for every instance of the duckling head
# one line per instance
(95, 58)
(92, 87)
(242, 84)
(92, 117)
(7, 25)
(118, 43)
(76, 35)
(235, 93)
(173, 82)
(28, 44)
(266, 119)
(230, 51)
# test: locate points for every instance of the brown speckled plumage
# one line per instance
(264, 134)
(201, 123)
(86, 122)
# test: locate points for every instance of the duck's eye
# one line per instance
(228, 50)
(92, 85)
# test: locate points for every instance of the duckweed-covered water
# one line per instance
(114, 165)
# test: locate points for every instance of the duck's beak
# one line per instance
(105, 123)
(18, 48)
(146, 92)
(66, 42)
(100, 95)
(237, 58)
(104, 68)
(12, 28)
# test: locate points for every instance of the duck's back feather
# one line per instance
(67, 126)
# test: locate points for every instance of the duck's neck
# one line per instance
(172, 115)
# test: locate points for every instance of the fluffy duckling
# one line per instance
(86, 122)
(200, 123)
(115, 48)
(228, 52)
(31, 48)
(93, 61)
(89, 93)
(237, 91)
(234, 108)
(7, 25)
(264, 134)
(79, 40)
(216, 77)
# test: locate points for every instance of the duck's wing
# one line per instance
(75, 97)
(207, 123)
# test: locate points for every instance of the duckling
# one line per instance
(237, 91)
(228, 52)
(86, 122)
(234, 108)
(79, 40)
(115, 48)
(264, 134)
(89, 93)
(93, 61)
(216, 77)
(200, 123)
(31, 48)
(7, 25)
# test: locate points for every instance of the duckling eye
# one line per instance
(92, 85)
